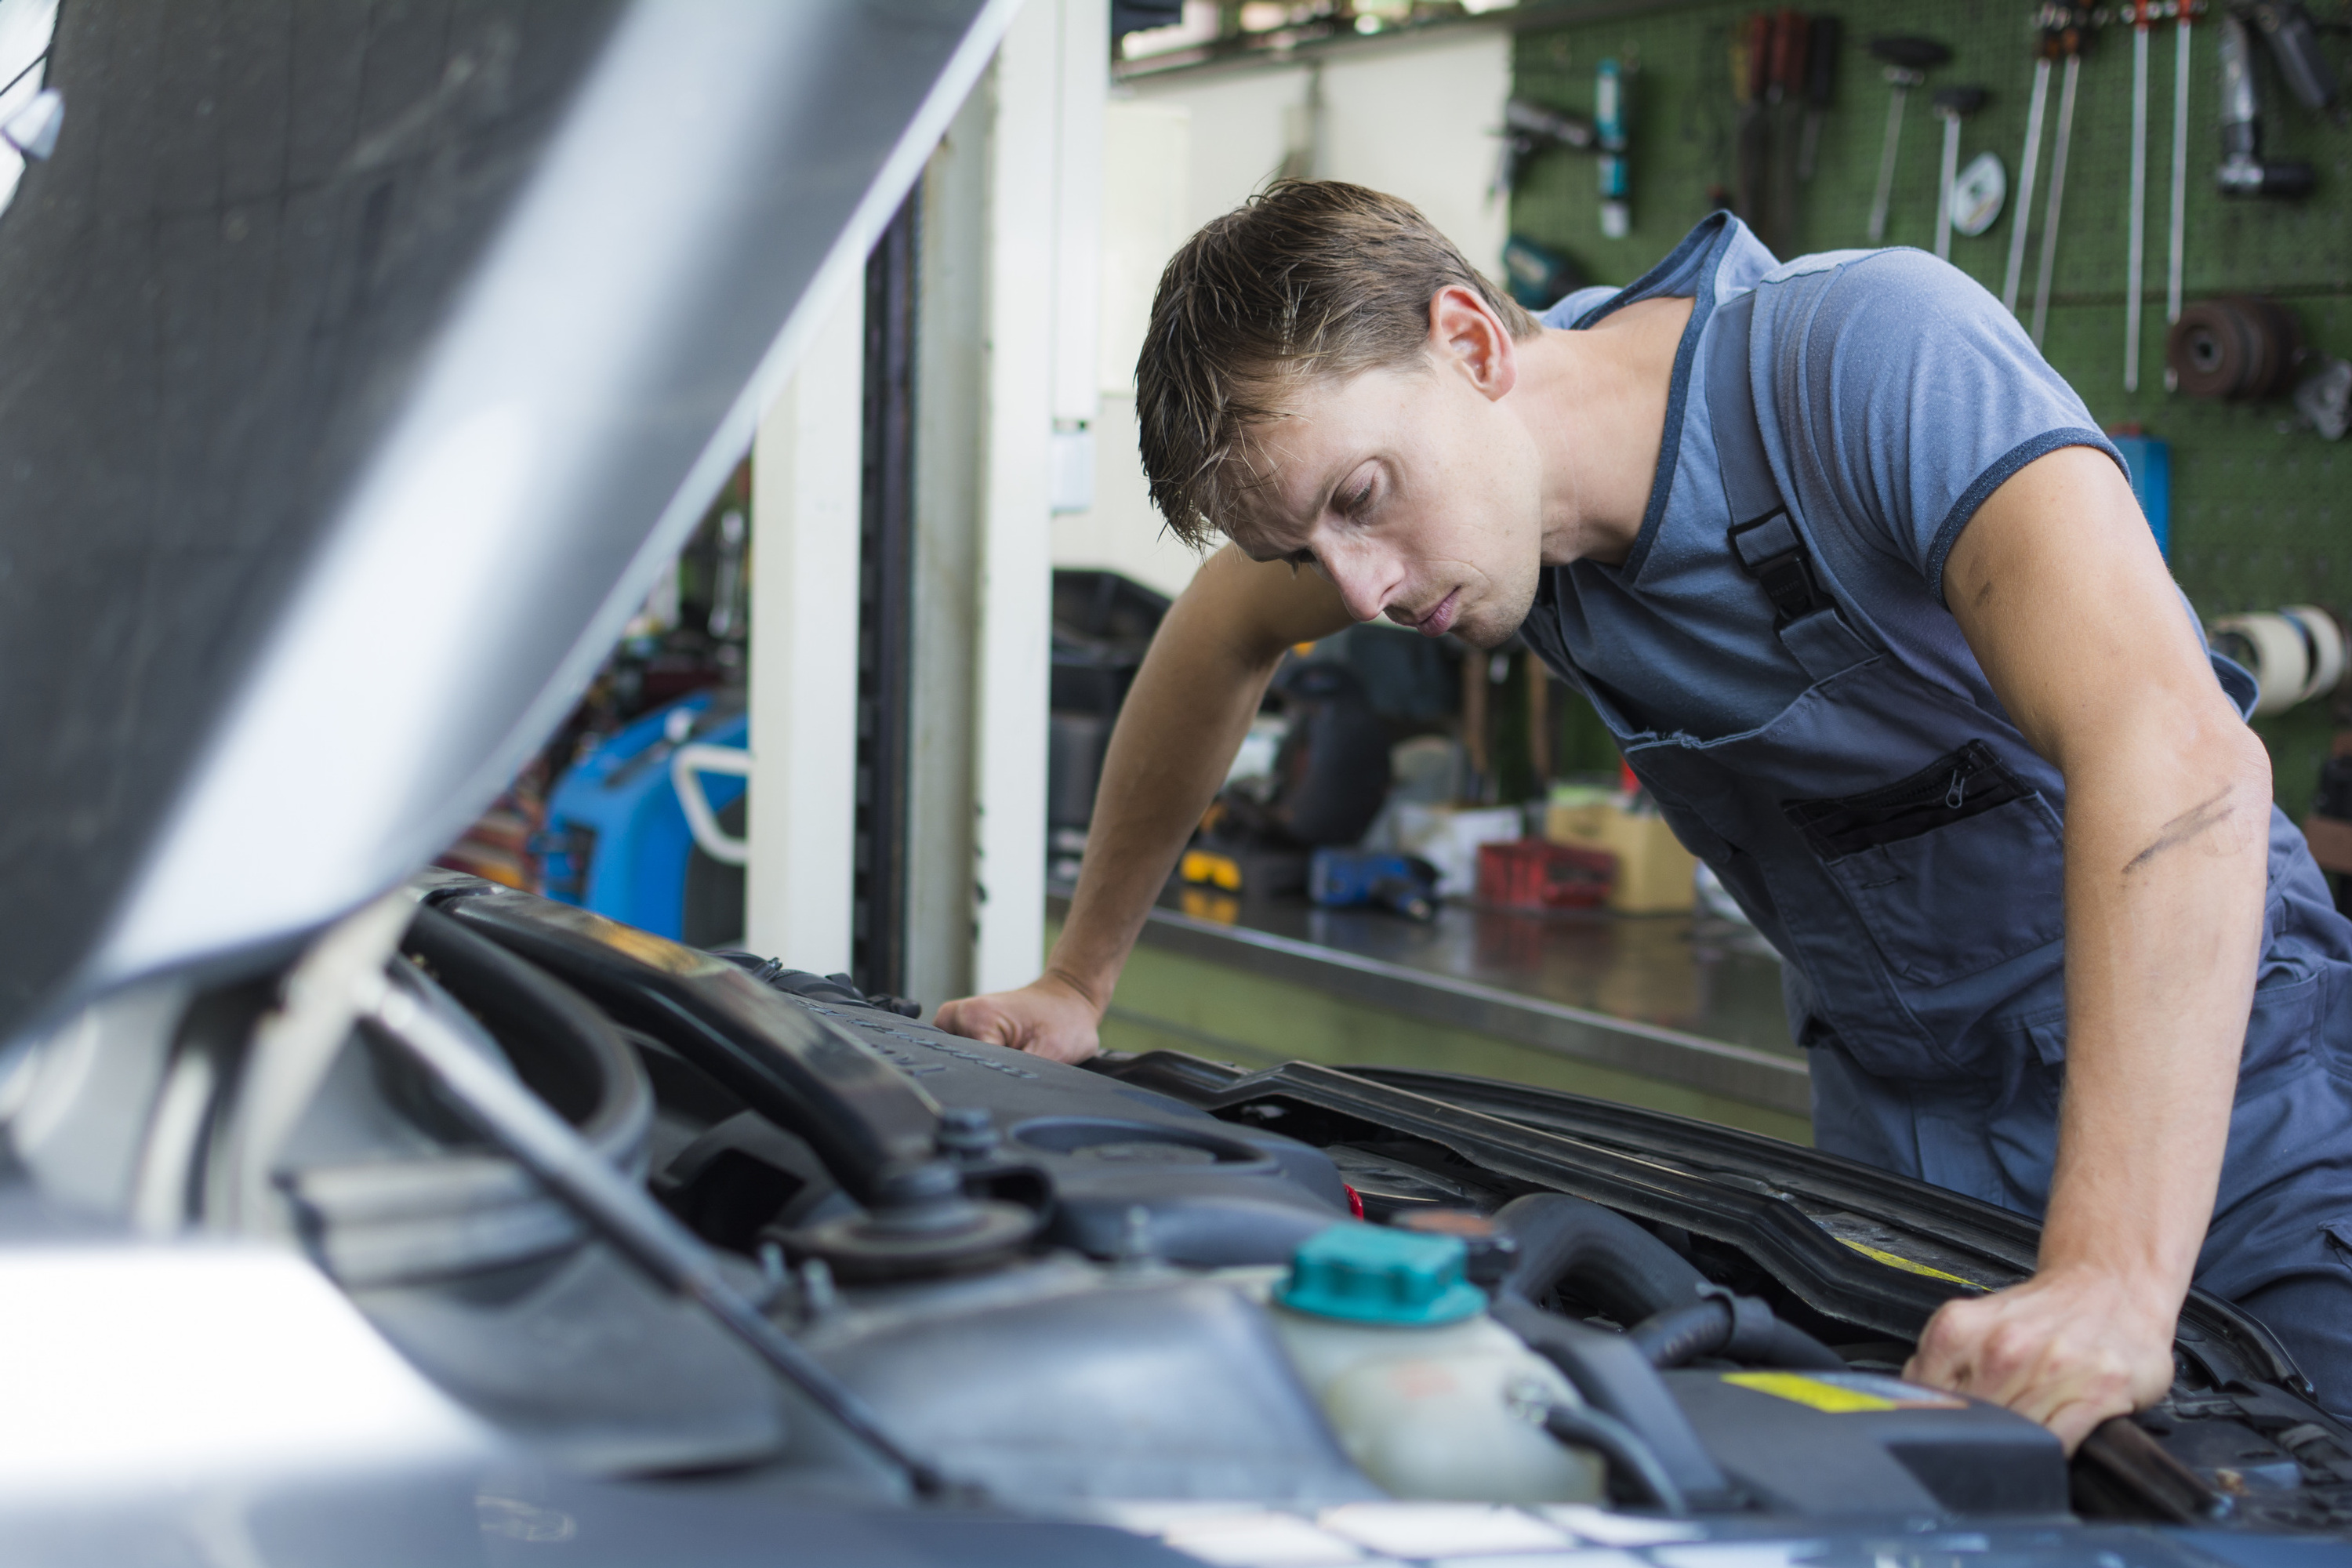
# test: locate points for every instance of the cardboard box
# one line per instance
(1655, 874)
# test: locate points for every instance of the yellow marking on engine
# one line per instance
(1878, 1256)
(1810, 1392)
(1845, 1393)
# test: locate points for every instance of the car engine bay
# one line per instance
(1153, 1278)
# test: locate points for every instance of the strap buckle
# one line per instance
(1770, 550)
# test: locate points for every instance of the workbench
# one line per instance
(1675, 1012)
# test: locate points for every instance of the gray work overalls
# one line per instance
(1899, 842)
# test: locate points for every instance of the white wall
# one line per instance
(1415, 121)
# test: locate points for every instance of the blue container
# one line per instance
(2150, 462)
(616, 840)
(1352, 878)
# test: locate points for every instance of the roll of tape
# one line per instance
(2280, 656)
(2325, 635)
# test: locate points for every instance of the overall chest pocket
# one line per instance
(1952, 870)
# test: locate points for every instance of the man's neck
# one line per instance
(1596, 408)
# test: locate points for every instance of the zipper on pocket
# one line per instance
(1968, 783)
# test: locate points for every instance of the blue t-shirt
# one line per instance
(1917, 397)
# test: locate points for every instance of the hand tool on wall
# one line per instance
(2140, 13)
(1783, 94)
(1608, 118)
(2028, 163)
(2244, 172)
(2294, 43)
(1529, 128)
(2177, 261)
(1751, 66)
(1822, 37)
(1906, 62)
(2068, 24)
(1953, 104)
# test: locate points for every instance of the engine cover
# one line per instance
(1857, 1443)
(1212, 1193)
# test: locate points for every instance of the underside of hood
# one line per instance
(359, 365)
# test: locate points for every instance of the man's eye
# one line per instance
(1353, 503)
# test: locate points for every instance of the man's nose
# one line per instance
(1365, 578)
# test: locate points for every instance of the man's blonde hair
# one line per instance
(1308, 278)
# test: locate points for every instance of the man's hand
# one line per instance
(2068, 1349)
(1047, 1017)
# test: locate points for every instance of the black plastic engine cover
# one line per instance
(1213, 1193)
(1850, 1443)
(864, 1087)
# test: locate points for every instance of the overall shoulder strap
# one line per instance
(1765, 539)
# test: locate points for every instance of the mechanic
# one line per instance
(1866, 601)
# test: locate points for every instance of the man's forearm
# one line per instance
(2165, 882)
(1183, 718)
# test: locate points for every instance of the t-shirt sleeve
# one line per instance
(1920, 395)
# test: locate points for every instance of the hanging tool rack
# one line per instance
(2260, 507)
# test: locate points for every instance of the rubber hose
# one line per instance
(1614, 1263)
(1676, 1337)
(1616, 1380)
(1629, 1457)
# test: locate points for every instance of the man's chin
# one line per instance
(1489, 624)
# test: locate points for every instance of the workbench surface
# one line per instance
(1689, 1000)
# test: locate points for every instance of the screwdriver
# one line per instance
(1953, 104)
(1822, 35)
(1789, 31)
(1751, 67)
(2065, 24)
(2029, 163)
(2186, 9)
(2136, 246)
(1907, 61)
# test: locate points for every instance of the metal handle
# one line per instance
(687, 766)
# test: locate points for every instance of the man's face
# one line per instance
(1412, 491)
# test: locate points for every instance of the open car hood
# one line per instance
(358, 369)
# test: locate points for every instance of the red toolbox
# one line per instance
(1535, 875)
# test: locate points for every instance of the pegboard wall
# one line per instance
(2261, 511)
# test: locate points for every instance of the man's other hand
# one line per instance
(2067, 1348)
(1048, 1017)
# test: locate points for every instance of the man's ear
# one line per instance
(1467, 336)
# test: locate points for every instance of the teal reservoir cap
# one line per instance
(1368, 1274)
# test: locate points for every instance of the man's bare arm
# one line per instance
(2061, 592)
(1185, 716)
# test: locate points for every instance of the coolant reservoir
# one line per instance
(1429, 1395)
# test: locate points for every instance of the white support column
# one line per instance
(1015, 577)
(805, 477)
(1044, 205)
(1085, 69)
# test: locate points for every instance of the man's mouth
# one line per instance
(1437, 621)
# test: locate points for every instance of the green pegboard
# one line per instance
(2261, 511)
